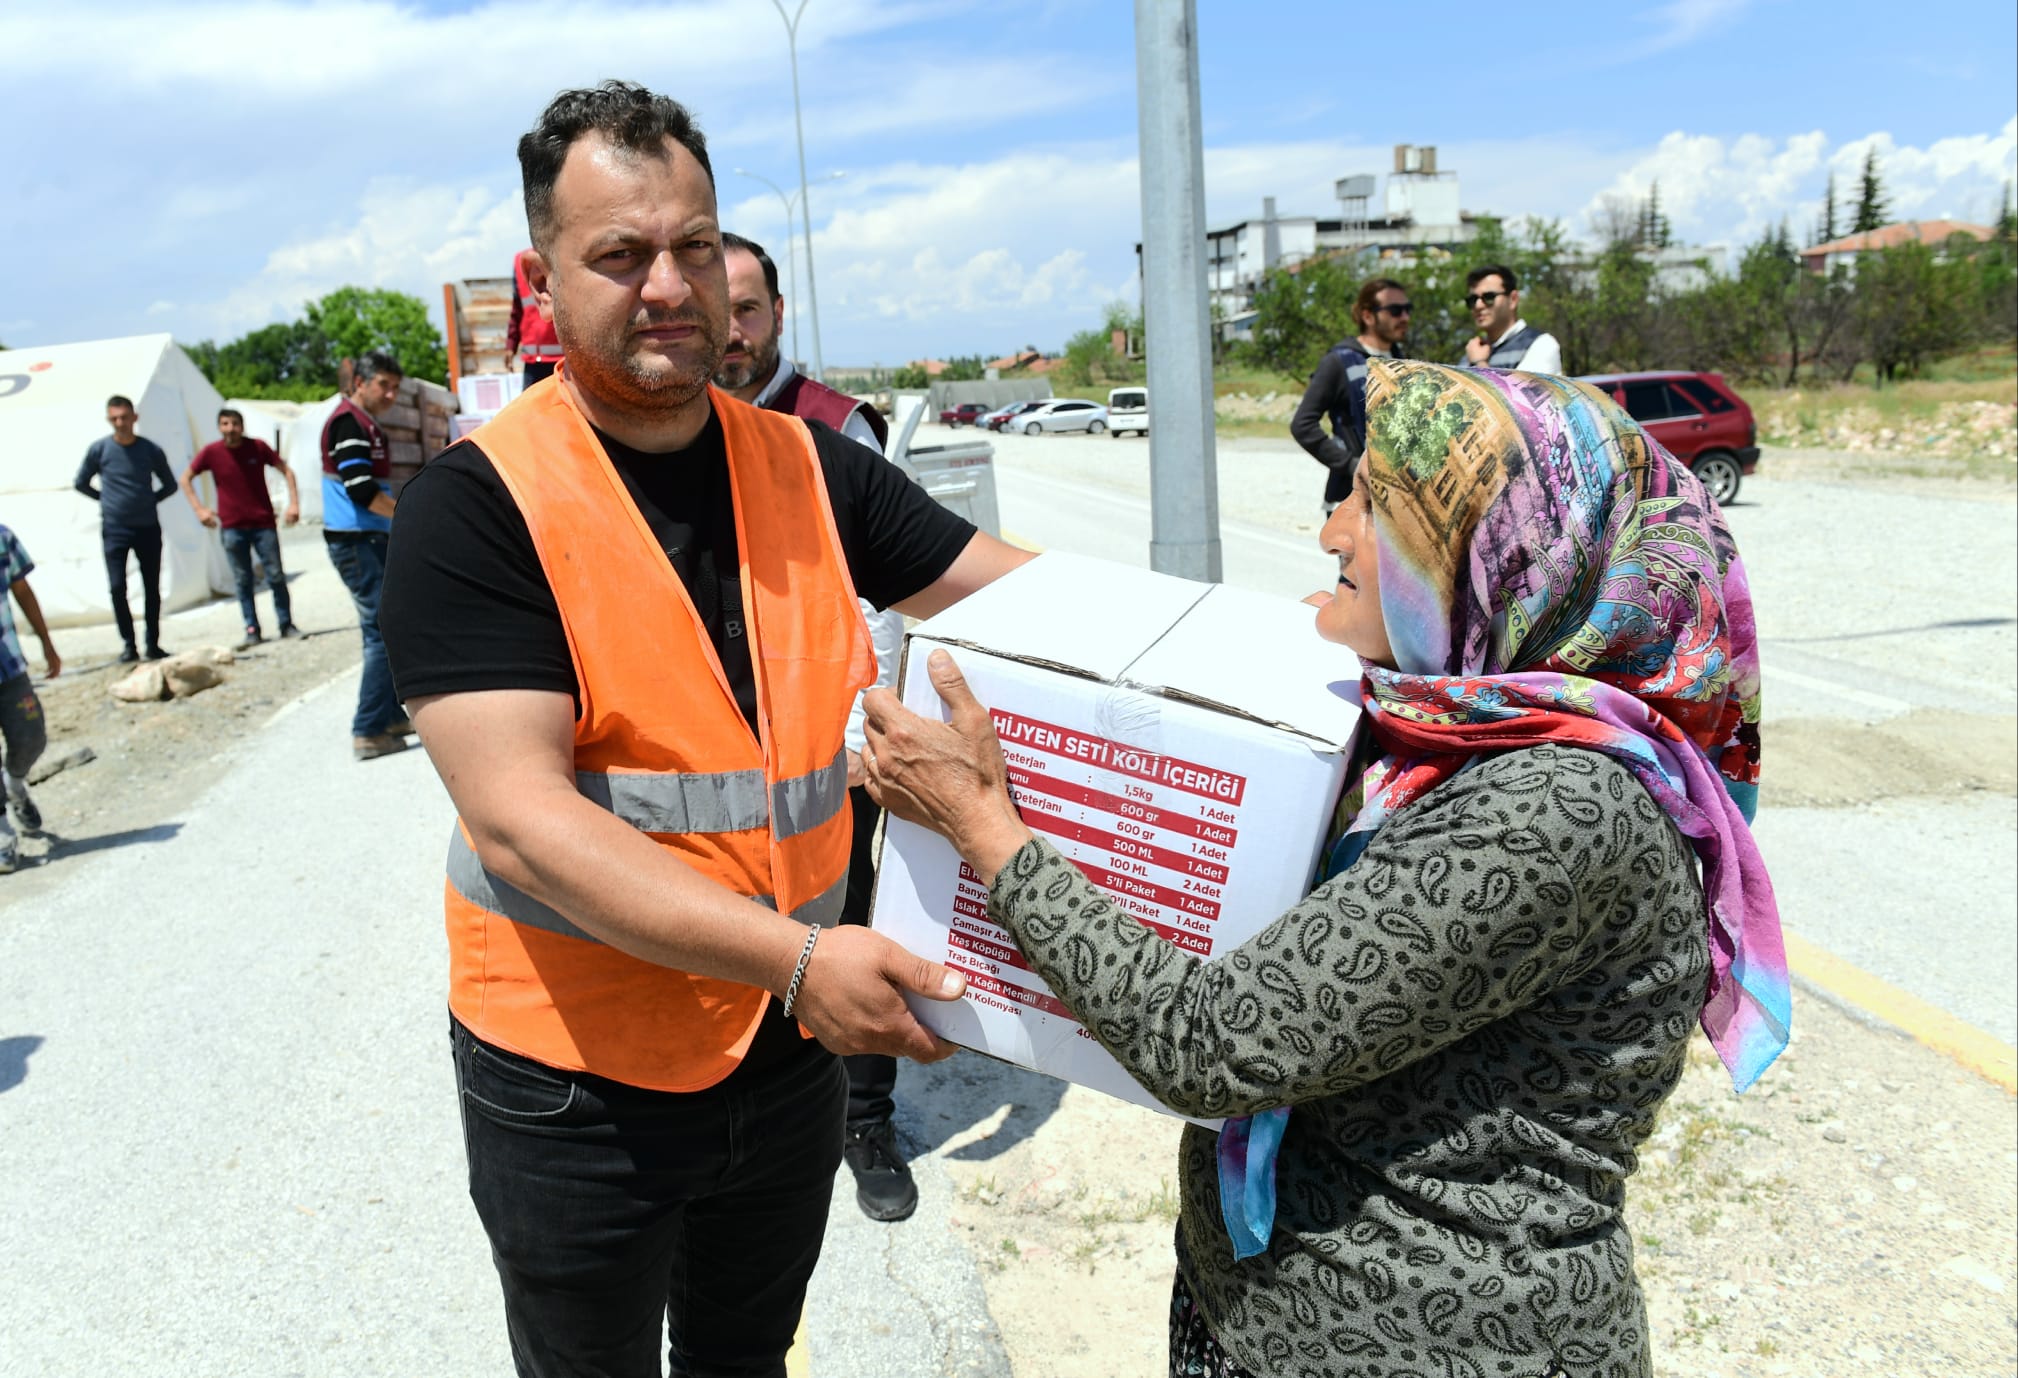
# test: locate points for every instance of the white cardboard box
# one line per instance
(486, 394)
(1182, 743)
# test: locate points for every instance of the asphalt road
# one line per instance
(1860, 621)
(228, 1131)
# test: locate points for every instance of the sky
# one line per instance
(205, 168)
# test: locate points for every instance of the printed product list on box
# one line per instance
(1155, 832)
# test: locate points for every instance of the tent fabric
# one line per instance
(52, 406)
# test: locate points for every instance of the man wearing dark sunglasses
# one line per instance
(1504, 340)
(1337, 390)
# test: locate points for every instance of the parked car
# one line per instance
(965, 414)
(1062, 414)
(1128, 410)
(995, 420)
(1697, 418)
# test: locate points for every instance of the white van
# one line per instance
(1128, 410)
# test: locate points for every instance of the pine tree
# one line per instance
(1871, 207)
(1825, 233)
(1656, 232)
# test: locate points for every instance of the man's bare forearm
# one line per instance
(619, 885)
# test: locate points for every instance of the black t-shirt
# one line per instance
(466, 605)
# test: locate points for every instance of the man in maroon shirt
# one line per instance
(237, 465)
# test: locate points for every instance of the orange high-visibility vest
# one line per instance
(661, 743)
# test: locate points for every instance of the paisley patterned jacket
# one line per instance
(1475, 1025)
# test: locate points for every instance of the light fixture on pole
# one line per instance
(805, 210)
(791, 246)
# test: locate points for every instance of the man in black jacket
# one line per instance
(1338, 389)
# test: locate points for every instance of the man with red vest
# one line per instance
(754, 370)
(623, 616)
(530, 337)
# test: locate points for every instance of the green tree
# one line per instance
(1301, 311)
(288, 360)
(911, 377)
(357, 319)
(964, 368)
(1871, 200)
(1825, 229)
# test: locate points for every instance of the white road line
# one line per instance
(1247, 531)
(1877, 703)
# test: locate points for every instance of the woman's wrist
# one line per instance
(988, 847)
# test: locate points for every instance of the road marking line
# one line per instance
(1879, 703)
(1984, 1054)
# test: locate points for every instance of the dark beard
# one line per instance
(614, 376)
(760, 363)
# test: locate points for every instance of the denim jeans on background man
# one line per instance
(144, 544)
(359, 558)
(611, 1208)
(242, 544)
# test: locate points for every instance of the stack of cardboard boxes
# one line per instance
(481, 315)
(417, 426)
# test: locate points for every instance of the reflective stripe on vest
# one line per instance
(487, 890)
(729, 801)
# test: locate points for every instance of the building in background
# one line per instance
(1420, 215)
(1935, 234)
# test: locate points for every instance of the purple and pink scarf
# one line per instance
(1549, 573)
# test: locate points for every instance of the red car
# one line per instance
(1697, 418)
(966, 414)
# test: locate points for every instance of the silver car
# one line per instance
(1061, 414)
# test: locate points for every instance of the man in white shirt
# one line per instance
(1504, 340)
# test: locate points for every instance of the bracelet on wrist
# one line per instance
(799, 971)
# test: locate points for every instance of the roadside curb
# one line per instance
(1872, 998)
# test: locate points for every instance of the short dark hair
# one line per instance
(756, 251)
(1500, 270)
(1368, 299)
(115, 400)
(372, 363)
(628, 115)
(223, 412)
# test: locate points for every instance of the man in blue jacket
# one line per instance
(357, 506)
(132, 476)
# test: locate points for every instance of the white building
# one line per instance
(1420, 214)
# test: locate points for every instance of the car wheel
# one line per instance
(1720, 473)
(1034, 428)
(1095, 427)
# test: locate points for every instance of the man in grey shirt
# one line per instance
(132, 476)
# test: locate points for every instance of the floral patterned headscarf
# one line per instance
(1549, 573)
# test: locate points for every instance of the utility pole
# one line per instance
(1183, 470)
(805, 208)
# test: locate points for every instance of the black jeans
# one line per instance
(609, 1207)
(144, 543)
(872, 1077)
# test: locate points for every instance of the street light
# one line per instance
(805, 209)
(791, 246)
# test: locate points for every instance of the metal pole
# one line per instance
(1183, 471)
(791, 254)
(805, 202)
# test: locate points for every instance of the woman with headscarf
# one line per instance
(1435, 1071)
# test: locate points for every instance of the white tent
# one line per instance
(52, 406)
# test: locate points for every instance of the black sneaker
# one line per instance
(27, 816)
(156, 653)
(883, 1185)
(252, 638)
(290, 632)
(129, 656)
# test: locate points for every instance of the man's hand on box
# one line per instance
(850, 997)
(949, 777)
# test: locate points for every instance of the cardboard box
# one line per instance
(1183, 743)
(487, 393)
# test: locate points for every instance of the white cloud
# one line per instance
(160, 308)
(1730, 191)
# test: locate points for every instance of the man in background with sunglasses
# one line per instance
(1504, 340)
(1337, 390)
